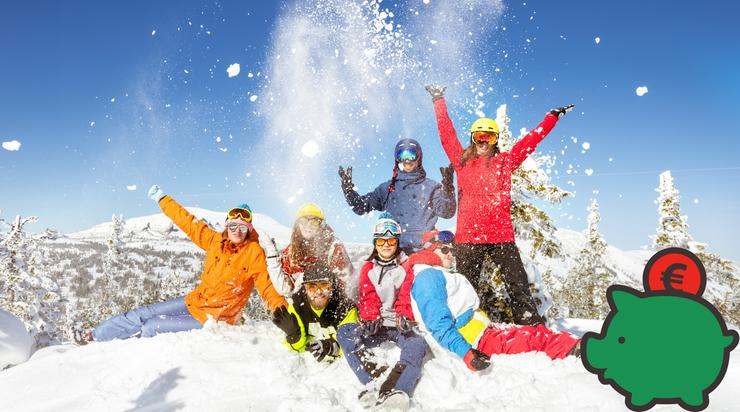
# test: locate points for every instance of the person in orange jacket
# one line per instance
(234, 264)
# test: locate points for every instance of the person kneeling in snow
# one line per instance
(446, 305)
(380, 280)
(319, 308)
(234, 264)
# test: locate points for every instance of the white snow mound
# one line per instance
(225, 368)
(15, 342)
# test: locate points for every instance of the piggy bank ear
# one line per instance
(623, 299)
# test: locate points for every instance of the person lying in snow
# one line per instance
(312, 241)
(445, 305)
(484, 226)
(380, 280)
(409, 196)
(319, 308)
(234, 264)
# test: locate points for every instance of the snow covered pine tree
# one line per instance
(583, 294)
(673, 231)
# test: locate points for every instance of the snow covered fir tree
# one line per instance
(673, 231)
(583, 294)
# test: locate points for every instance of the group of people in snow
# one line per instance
(418, 287)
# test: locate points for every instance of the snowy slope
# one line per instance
(159, 226)
(15, 342)
(227, 368)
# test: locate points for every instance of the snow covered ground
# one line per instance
(226, 368)
(15, 342)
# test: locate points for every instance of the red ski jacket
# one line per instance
(484, 184)
(403, 301)
(378, 289)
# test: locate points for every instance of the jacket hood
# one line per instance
(425, 257)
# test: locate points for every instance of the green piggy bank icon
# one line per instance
(660, 348)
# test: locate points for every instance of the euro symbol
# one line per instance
(669, 276)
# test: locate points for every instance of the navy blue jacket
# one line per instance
(415, 204)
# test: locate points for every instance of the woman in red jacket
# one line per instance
(484, 227)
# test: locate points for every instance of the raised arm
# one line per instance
(360, 204)
(443, 196)
(257, 270)
(447, 133)
(524, 147)
(197, 230)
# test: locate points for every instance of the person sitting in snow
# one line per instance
(484, 226)
(446, 305)
(380, 279)
(312, 241)
(234, 264)
(319, 308)
(409, 196)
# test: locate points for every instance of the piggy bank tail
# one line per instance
(730, 340)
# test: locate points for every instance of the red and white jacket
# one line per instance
(484, 184)
(379, 285)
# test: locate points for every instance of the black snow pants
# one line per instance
(470, 258)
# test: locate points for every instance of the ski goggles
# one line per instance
(318, 285)
(484, 137)
(447, 249)
(386, 229)
(237, 227)
(310, 221)
(240, 213)
(407, 154)
(391, 241)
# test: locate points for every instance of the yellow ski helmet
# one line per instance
(310, 209)
(484, 124)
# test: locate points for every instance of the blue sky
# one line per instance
(159, 101)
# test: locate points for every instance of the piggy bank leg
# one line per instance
(694, 399)
(638, 401)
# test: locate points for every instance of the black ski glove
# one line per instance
(559, 111)
(476, 360)
(447, 173)
(436, 91)
(288, 323)
(320, 349)
(346, 178)
(370, 327)
(404, 324)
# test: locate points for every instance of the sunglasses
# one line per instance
(447, 249)
(391, 241)
(484, 137)
(313, 221)
(236, 227)
(313, 287)
(239, 213)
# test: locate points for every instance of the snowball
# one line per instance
(586, 145)
(310, 148)
(233, 69)
(425, 1)
(696, 201)
(589, 172)
(15, 342)
(12, 146)
(253, 98)
(131, 187)
(597, 40)
(92, 124)
(154, 32)
(218, 139)
(640, 91)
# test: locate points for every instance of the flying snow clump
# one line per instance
(640, 91)
(233, 70)
(12, 146)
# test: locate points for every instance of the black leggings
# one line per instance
(470, 258)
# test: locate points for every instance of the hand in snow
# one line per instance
(404, 324)
(436, 91)
(559, 111)
(447, 173)
(476, 360)
(370, 327)
(288, 323)
(320, 349)
(346, 178)
(155, 193)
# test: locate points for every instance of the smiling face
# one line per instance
(445, 254)
(318, 293)
(409, 166)
(309, 226)
(237, 231)
(386, 247)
